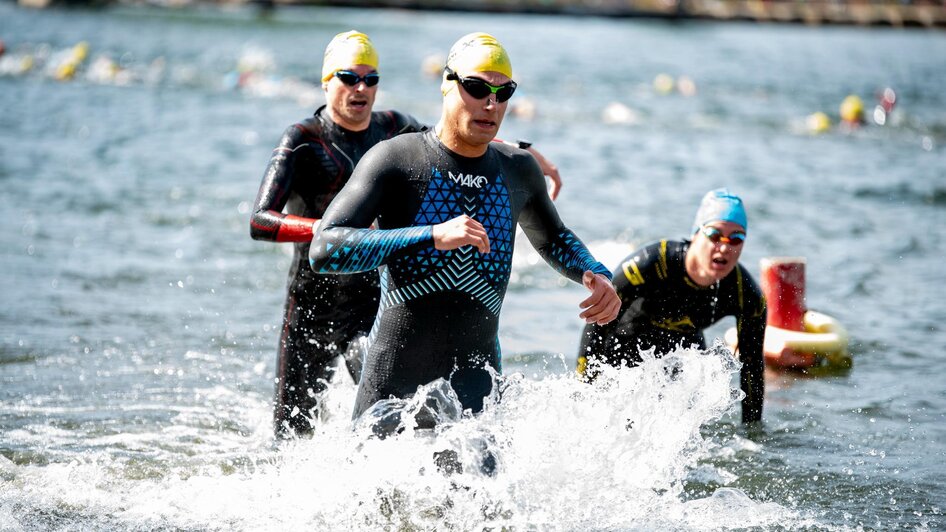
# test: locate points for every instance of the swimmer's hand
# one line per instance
(603, 304)
(461, 231)
(550, 170)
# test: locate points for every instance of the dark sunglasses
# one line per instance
(351, 79)
(736, 238)
(479, 89)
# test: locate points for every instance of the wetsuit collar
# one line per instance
(434, 137)
(686, 275)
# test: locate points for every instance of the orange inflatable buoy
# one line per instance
(796, 338)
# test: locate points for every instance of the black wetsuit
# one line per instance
(662, 308)
(323, 313)
(439, 312)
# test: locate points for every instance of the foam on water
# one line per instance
(569, 456)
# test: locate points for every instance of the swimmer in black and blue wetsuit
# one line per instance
(447, 203)
(672, 290)
(325, 315)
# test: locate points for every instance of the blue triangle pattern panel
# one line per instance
(496, 216)
(483, 276)
(441, 203)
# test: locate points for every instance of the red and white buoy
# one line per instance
(796, 338)
(783, 284)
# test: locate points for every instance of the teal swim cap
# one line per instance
(720, 205)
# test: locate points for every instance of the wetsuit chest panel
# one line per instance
(682, 309)
(465, 270)
(319, 173)
(331, 160)
(681, 305)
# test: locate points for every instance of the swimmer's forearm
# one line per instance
(354, 250)
(569, 256)
(278, 227)
(752, 375)
(268, 221)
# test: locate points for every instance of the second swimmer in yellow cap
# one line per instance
(324, 317)
(350, 79)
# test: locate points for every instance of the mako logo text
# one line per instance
(468, 180)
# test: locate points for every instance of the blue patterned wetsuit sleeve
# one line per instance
(348, 250)
(568, 254)
(560, 247)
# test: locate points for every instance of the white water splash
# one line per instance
(570, 456)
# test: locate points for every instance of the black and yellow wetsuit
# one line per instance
(323, 313)
(662, 308)
(439, 312)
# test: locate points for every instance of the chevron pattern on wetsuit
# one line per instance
(483, 276)
(360, 250)
(568, 251)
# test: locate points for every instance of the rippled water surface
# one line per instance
(139, 320)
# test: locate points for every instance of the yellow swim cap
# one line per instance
(663, 83)
(346, 50)
(80, 51)
(852, 109)
(479, 52)
(818, 122)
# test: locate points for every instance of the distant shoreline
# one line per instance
(889, 13)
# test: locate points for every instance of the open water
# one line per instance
(138, 321)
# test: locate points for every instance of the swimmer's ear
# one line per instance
(446, 85)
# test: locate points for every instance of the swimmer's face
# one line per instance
(473, 123)
(712, 261)
(350, 105)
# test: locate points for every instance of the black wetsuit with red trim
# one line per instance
(662, 308)
(439, 313)
(323, 313)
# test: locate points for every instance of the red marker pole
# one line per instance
(783, 284)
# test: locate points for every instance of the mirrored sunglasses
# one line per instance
(351, 79)
(479, 89)
(714, 235)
